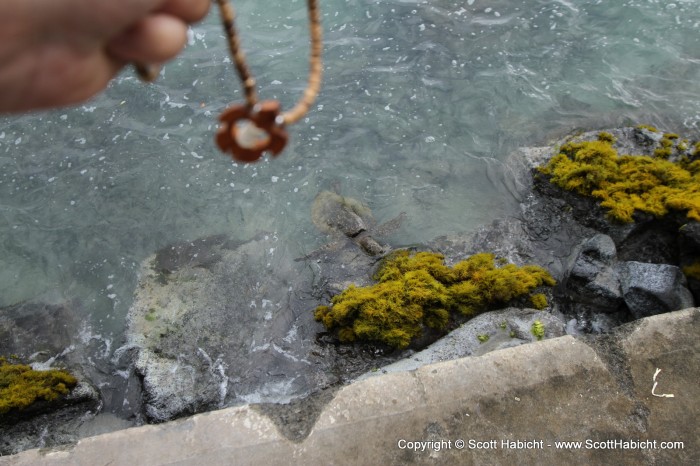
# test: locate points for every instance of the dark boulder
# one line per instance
(592, 278)
(650, 289)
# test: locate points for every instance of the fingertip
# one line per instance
(190, 11)
(155, 39)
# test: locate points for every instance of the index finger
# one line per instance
(189, 11)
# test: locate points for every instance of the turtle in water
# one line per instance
(348, 218)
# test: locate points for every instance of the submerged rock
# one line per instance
(345, 218)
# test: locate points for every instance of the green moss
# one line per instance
(647, 127)
(606, 137)
(667, 144)
(482, 338)
(537, 329)
(626, 184)
(151, 315)
(503, 325)
(696, 149)
(512, 334)
(663, 152)
(415, 291)
(692, 270)
(21, 386)
(539, 301)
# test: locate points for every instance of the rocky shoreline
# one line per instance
(626, 397)
(217, 323)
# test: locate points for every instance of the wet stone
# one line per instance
(42, 335)
(592, 279)
(651, 289)
(240, 329)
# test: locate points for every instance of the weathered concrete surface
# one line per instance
(563, 389)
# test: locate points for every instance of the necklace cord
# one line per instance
(315, 67)
(228, 16)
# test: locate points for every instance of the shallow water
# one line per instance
(421, 103)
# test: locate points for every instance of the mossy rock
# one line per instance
(21, 386)
(627, 184)
(418, 291)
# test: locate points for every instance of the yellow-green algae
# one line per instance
(605, 136)
(418, 290)
(537, 329)
(21, 386)
(539, 301)
(625, 184)
(648, 127)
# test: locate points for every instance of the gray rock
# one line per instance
(592, 278)
(646, 137)
(484, 333)
(650, 289)
(600, 249)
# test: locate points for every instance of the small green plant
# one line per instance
(21, 386)
(483, 338)
(537, 329)
(151, 315)
(503, 325)
(512, 334)
(418, 291)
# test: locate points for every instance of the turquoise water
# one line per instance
(421, 103)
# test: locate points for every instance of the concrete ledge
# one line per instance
(564, 389)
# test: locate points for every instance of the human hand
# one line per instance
(61, 52)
